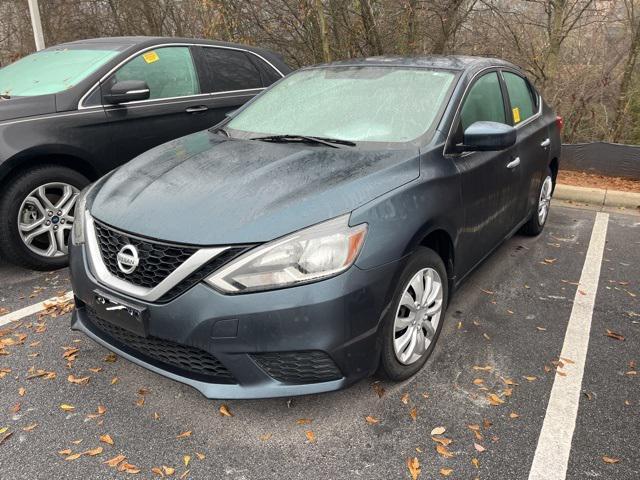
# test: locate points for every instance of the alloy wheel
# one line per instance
(418, 316)
(45, 218)
(545, 199)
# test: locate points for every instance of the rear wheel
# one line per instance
(36, 216)
(538, 219)
(412, 326)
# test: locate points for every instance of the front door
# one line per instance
(489, 180)
(174, 108)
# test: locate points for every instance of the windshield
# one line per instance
(51, 71)
(360, 104)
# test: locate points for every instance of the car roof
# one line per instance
(127, 43)
(450, 62)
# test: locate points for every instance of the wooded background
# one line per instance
(581, 54)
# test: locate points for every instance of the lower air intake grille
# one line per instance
(299, 367)
(180, 359)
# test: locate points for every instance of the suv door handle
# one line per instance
(546, 143)
(514, 163)
(199, 108)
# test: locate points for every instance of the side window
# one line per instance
(484, 102)
(169, 72)
(224, 70)
(520, 96)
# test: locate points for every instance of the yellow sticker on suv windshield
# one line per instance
(150, 57)
(516, 114)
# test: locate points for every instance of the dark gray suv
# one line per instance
(316, 235)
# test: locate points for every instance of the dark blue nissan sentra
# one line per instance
(316, 235)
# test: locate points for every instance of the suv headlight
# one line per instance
(79, 214)
(315, 253)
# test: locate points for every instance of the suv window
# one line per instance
(484, 102)
(169, 72)
(520, 96)
(224, 70)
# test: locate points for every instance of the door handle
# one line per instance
(514, 163)
(199, 108)
(546, 143)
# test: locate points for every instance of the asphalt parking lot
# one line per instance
(479, 409)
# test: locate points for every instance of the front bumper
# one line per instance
(307, 339)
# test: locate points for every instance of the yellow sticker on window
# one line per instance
(150, 57)
(516, 114)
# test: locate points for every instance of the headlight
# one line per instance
(77, 231)
(305, 256)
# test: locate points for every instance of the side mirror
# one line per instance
(127, 91)
(488, 136)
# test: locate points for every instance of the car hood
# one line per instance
(205, 189)
(20, 107)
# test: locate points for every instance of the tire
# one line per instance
(60, 183)
(391, 366)
(536, 223)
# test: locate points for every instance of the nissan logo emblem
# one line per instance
(128, 259)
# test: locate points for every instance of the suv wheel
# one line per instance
(536, 223)
(36, 216)
(412, 326)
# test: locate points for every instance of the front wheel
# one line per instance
(535, 224)
(412, 326)
(36, 216)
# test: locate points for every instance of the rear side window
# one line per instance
(169, 72)
(484, 102)
(520, 96)
(224, 70)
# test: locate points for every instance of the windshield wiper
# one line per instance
(330, 142)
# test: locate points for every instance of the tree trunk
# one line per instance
(412, 27)
(324, 35)
(370, 29)
(626, 85)
(555, 27)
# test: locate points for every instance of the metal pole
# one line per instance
(36, 24)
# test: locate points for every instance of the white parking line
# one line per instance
(554, 444)
(31, 309)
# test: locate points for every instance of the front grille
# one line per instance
(299, 367)
(183, 360)
(157, 260)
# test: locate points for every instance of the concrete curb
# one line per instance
(597, 196)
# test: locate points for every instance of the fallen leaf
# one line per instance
(304, 421)
(67, 408)
(413, 413)
(93, 452)
(200, 456)
(310, 436)
(78, 380)
(168, 470)
(66, 451)
(185, 434)
(106, 439)
(30, 427)
(114, 380)
(514, 415)
(614, 335)
(445, 472)
(5, 437)
(110, 358)
(438, 431)
(378, 389)
(128, 468)
(74, 456)
(495, 400)
(16, 408)
(115, 461)
(486, 368)
(444, 451)
(478, 447)
(405, 398)
(414, 467)
(371, 420)
(224, 411)
(607, 459)
(95, 370)
(184, 474)
(478, 381)
(265, 437)
(530, 378)
(157, 471)
(442, 440)
(475, 462)
(21, 391)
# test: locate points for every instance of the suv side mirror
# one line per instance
(127, 91)
(488, 136)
